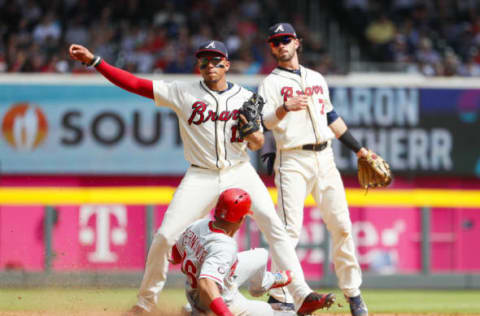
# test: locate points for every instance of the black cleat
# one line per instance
(357, 306)
(280, 306)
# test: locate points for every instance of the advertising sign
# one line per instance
(86, 130)
(106, 237)
(417, 130)
(101, 129)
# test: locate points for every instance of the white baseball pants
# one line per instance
(299, 173)
(193, 199)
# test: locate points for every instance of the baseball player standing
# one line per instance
(208, 112)
(208, 256)
(303, 122)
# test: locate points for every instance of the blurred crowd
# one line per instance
(139, 35)
(432, 37)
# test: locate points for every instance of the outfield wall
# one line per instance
(108, 228)
(84, 125)
(87, 171)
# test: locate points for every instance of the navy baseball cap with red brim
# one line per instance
(281, 29)
(214, 47)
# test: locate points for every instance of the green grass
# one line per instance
(423, 301)
(433, 302)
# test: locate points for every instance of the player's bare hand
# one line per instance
(243, 120)
(80, 53)
(297, 103)
(363, 152)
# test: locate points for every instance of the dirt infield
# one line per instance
(112, 302)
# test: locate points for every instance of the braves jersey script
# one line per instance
(298, 127)
(207, 120)
(209, 253)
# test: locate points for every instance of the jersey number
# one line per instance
(235, 138)
(322, 111)
(191, 271)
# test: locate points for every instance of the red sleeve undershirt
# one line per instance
(176, 256)
(126, 80)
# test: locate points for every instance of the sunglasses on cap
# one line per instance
(285, 40)
(215, 60)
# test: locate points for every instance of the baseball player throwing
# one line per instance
(208, 256)
(303, 122)
(208, 112)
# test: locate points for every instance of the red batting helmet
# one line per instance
(233, 205)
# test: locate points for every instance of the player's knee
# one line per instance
(344, 230)
(262, 253)
(164, 239)
(293, 233)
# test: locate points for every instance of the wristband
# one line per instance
(348, 140)
(219, 307)
(285, 107)
(95, 61)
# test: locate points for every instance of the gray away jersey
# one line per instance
(207, 253)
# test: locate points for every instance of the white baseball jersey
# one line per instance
(299, 173)
(301, 127)
(209, 253)
(207, 120)
(208, 127)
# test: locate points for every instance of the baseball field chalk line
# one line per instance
(163, 195)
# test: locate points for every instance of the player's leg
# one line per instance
(252, 267)
(281, 247)
(193, 199)
(241, 306)
(291, 179)
(332, 202)
(292, 190)
(334, 208)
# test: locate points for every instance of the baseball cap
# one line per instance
(281, 29)
(213, 46)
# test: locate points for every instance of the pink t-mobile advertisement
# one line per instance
(113, 237)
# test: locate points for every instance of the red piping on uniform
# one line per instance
(210, 276)
(126, 80)
(215, 230)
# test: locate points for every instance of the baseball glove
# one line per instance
(373, 171)
(251, 109)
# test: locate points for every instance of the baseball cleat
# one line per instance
(282, 278)
(357, 306)
(280, 306)
(315, 301)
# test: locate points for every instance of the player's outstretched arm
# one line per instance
(118, 77)
(210, 296)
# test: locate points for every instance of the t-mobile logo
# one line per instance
(102, 232)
